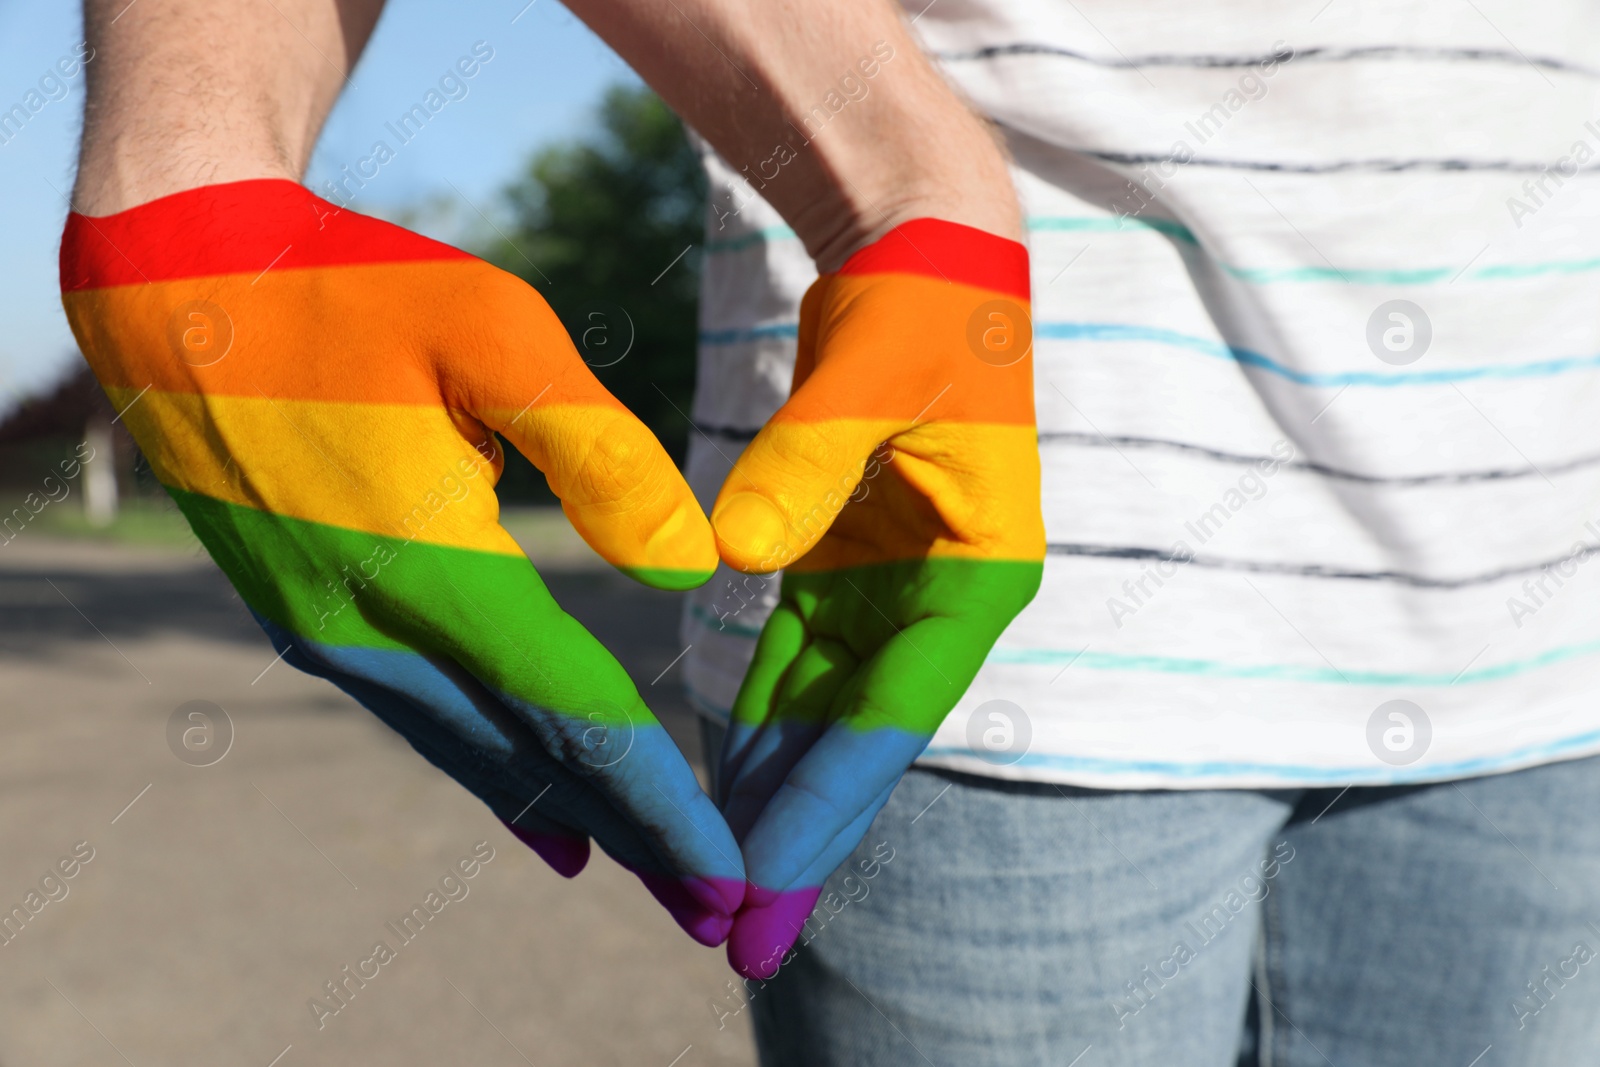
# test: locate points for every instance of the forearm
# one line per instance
(750, 76)
(185, 93)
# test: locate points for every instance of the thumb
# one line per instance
(790, 484)
(616, 484)
(618, 487)
(796, 475)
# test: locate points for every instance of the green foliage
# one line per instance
(595, 223)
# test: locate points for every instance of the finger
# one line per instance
(770, 922)
(682, 897)
(357, 587)
(762, 935)
(781, 640)
(832, 783)
(561, 843)
(890, 711)
(564, 848)
(806, 697)
(707, 926)
(566, 851)
(567, 854)
(616, 483)
(461, 727)
(791, 481)
(454, 734)
(502, 626)
(884, 347)
(456, 704)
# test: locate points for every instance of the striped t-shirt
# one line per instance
(1317, 334)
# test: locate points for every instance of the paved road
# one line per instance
(219, 900)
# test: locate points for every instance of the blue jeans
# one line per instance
(985, 922)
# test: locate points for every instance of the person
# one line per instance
(1290, 758)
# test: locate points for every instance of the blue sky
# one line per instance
(545, 77)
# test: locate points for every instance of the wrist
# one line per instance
(184, 94)
(991, 207)
(876, 184)
(123, 171)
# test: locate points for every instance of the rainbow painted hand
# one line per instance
(899, 488)
(319, 391)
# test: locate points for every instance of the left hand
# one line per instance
(320, 423)
(899, 487)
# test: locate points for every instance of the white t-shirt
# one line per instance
(1317, 336)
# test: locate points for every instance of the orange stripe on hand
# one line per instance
(910, 349)
(937, 374)
(348, 395)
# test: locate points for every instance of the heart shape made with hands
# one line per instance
(320, 391)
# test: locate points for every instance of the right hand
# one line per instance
(319, 392)
(900, 574)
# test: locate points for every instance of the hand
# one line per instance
(319, 392)
(899, 486)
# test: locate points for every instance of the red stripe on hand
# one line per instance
(948, 250)
(249, 227)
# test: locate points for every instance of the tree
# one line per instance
(601, 227)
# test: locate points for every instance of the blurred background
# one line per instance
(221, 899)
